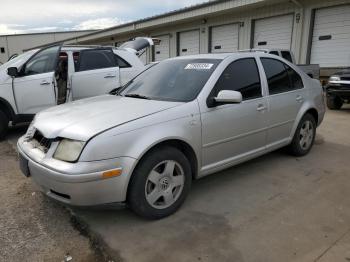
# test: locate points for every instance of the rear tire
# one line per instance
(4, 123)
(334, 102)
(160, 183)
(304, 136)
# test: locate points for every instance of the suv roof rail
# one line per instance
(253, 50)
(92, 46)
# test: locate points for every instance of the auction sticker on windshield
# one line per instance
(199, 66)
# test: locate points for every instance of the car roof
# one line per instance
(220, 56)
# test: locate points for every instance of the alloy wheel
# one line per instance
(306, 135)
(164, 184)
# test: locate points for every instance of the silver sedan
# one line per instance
(181, 119)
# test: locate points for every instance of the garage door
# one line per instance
(188, 43)
(273, 32)
(224, 38)
(331, 37)
(162, 51)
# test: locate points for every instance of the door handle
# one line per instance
(44, 82)
(261, 107)
(110, 76)
(299, 98)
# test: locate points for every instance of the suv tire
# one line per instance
(4, 123)
(160, 183)
(334, 102)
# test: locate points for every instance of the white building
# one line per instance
(16, 44)
(317, 31)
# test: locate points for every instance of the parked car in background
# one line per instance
(311, 70)
(182, 119)
(338, 89)
(54, 75)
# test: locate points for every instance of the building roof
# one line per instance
(195, 11)
(53, 32)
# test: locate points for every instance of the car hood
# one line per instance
(342, 73)
(85, 118)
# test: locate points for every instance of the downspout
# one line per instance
(302, 16)
(7, 48)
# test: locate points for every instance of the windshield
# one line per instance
(172, 80)
(19, 60)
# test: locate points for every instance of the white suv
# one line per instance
(39, 79)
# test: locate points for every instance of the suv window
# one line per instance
(243, 76)
(121, 62)
(96, 59)
(280, 77)
(286, 55)
(43, 62)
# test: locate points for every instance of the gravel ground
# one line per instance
(32, 227)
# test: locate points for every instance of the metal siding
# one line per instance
(334, 22)
(189, 42)
(162, 51)
(224, 38)
(275, 31)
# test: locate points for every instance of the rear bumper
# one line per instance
(81, 189)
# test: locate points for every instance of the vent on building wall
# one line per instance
(325, 37)
(2, 50)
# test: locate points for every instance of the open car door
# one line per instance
(96, 73)
(35, 85)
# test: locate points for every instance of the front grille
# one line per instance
(41, 142)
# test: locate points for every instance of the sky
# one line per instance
(26, 16)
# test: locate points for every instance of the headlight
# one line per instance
(69, 150)
(30, 132)
(334, 78)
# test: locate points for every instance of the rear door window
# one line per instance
(243, 76)
(96, 59)
(295, 79)
(280, 77)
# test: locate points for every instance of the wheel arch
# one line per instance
(312, 111)
(308, 110)
(179, 144)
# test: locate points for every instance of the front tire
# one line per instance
(334, 102)
(160, 183)
(304, 136)
(4, 123)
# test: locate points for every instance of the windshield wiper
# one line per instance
(137, 96)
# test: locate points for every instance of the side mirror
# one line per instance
(12, 71)
(228, 97)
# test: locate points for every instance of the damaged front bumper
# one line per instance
(80, 183)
